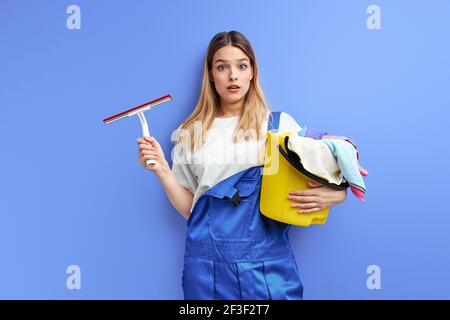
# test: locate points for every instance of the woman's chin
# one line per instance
(234, 98)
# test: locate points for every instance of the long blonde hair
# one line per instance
(208, 106)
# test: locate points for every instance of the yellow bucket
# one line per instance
(279, 178)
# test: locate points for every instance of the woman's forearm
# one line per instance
(179, 196)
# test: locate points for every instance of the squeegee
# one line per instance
(139, 110)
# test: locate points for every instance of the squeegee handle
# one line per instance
(145, 133)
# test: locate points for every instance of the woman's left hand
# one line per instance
(317, 198)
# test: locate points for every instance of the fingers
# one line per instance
(144, 144)
(149, 157)
(149, 152)
(312, 210)
(363, 171)
(315, 184)
(150, 139)
(309, 192)
(153, 142)
(150, 149)
(306, 207)
(146, 147)
(303, 199)
(149, 143)
(144, 157)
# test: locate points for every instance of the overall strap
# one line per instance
(274, 121)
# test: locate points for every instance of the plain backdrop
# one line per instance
(72, 191)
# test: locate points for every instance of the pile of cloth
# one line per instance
(333, 158)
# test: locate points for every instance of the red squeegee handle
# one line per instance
(144, 105)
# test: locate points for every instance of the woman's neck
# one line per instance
(231, 109)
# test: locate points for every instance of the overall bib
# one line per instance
(232, 250)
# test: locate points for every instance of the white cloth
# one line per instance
(220, 158)
(316, 157)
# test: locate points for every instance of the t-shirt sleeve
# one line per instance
(288, 123)
(182, 170)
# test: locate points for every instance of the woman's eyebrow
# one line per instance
(222, 60)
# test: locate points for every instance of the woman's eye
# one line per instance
(222, 67)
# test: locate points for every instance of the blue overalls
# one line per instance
(232, 250)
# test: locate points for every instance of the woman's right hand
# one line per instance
(149, 148)
(180, 197)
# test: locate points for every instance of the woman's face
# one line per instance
(231, 72)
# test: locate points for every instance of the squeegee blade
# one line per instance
(140, 108)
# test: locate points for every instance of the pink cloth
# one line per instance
(357, 192)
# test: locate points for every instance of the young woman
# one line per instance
(232, 251)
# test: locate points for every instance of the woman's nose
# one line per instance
(233, 74)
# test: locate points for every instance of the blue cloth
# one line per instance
(274, 122)
(311, 133)
(345, 154)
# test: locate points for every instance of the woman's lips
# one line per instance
(233, 89)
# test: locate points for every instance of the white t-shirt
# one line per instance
(219, 157)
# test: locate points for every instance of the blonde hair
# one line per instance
(255, 108)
